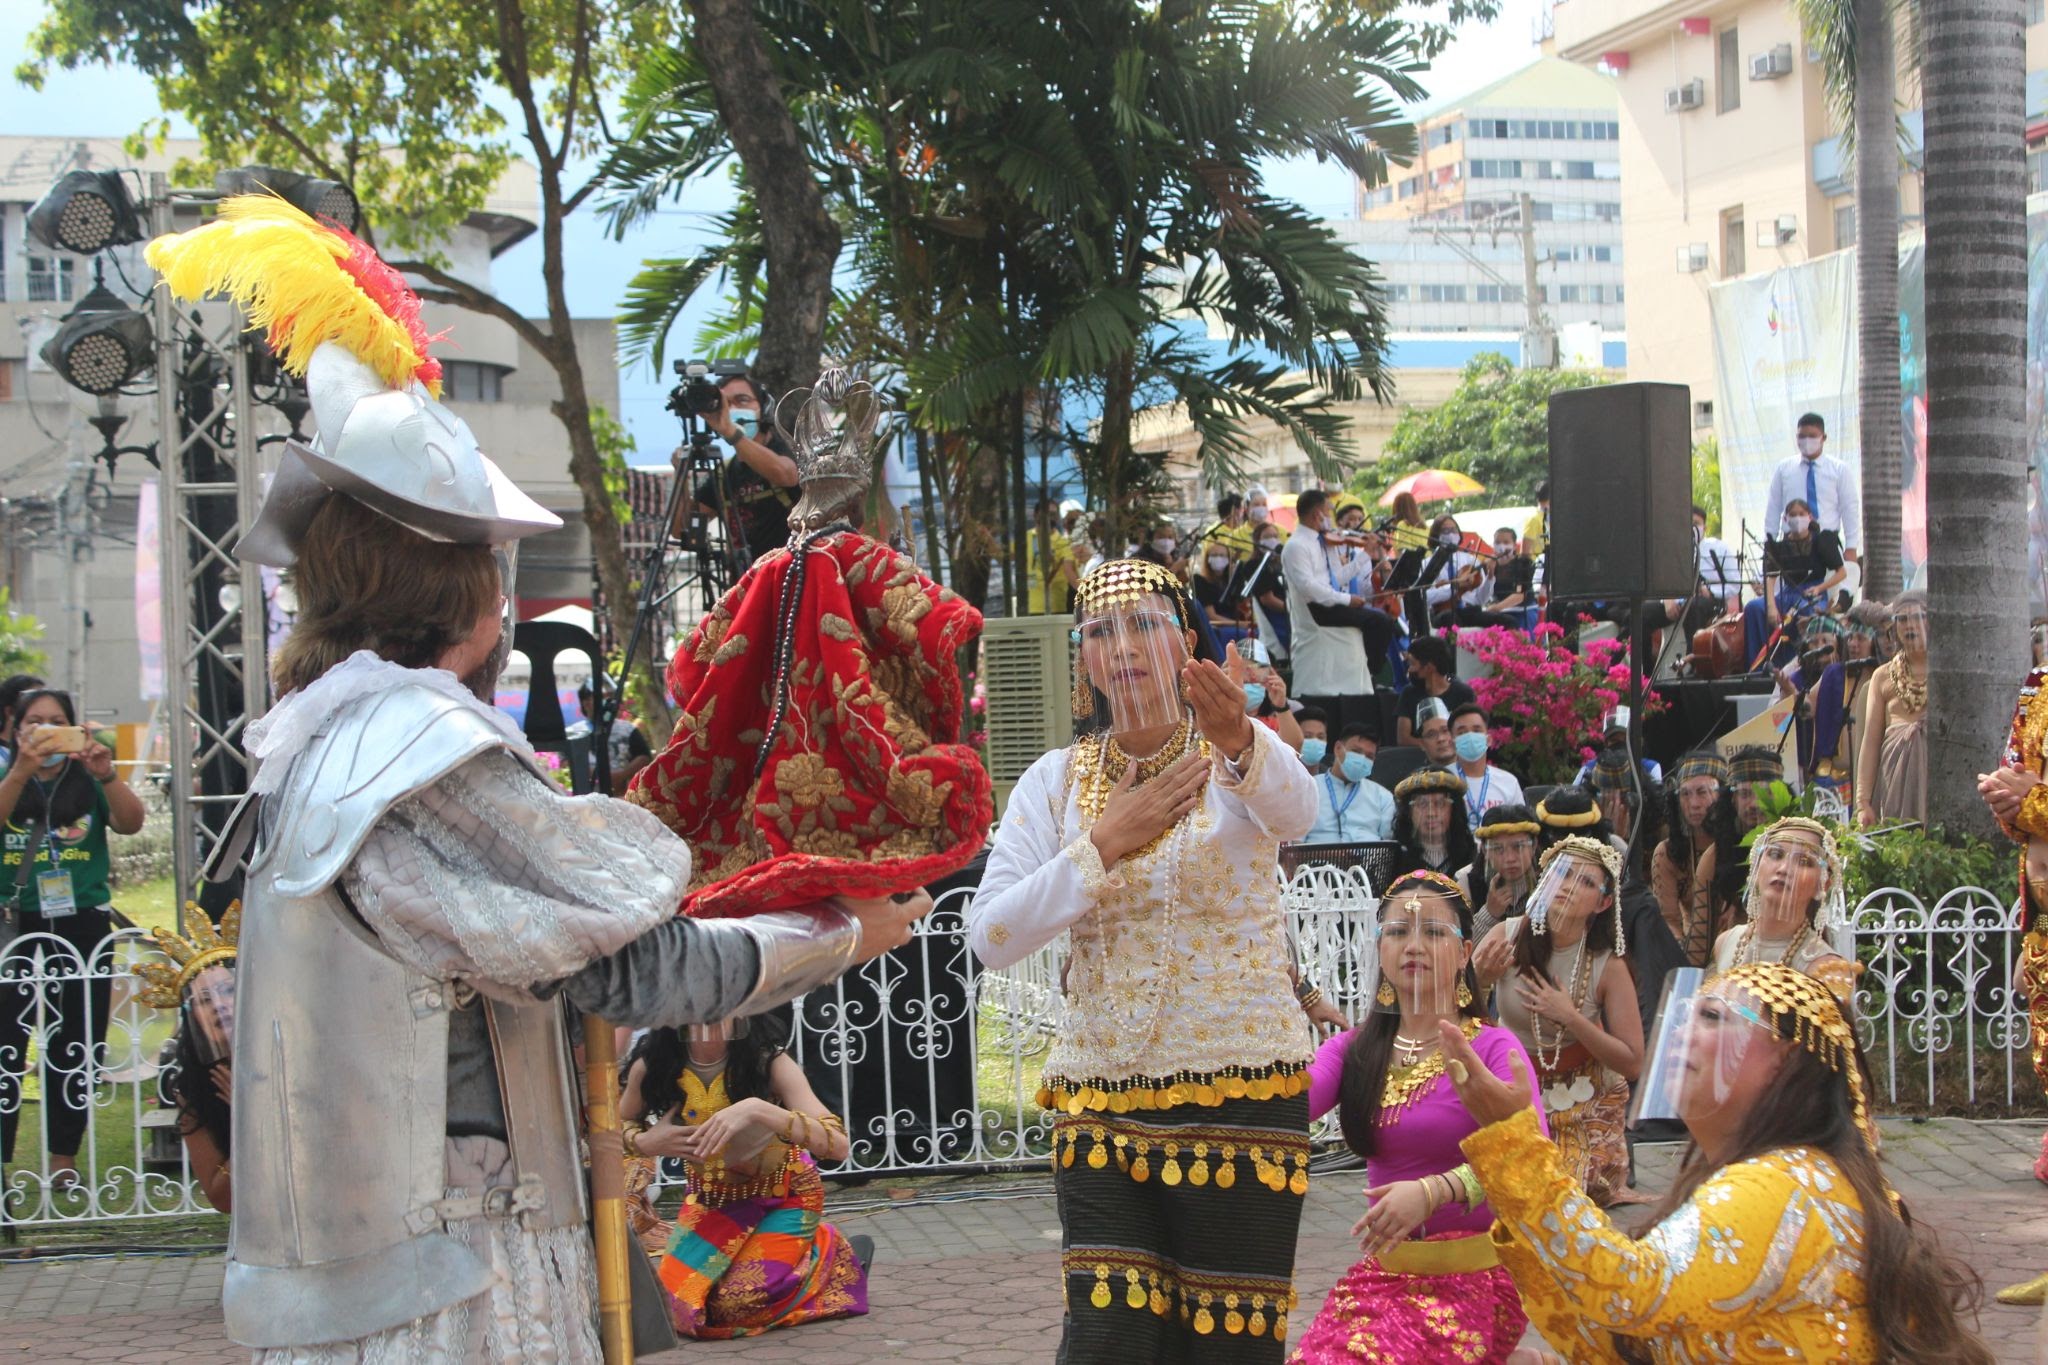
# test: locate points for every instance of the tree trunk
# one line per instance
(1975, 75)
(801, 239)
(975, 481)
(1877, 294)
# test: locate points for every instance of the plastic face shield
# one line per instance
(1790, 873)
(1511, 858)
(1569, 892)
(1133, 653)
(209, 1009)
(1708, 1038)
(1420, 951)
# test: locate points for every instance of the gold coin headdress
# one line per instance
(189, 956)
(1121, 582)
(1803, 1008)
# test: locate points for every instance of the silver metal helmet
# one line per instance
(397, 451)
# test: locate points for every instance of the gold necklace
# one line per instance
(1406, 1084)
(1547, 1054)
(1911, 691)
(1100, 766)
(1790, 955)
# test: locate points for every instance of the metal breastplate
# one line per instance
(341, 1061)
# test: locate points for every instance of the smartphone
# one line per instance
(63, 739)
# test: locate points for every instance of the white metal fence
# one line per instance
(934, 1062)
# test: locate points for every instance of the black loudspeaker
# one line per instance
(1621, 492)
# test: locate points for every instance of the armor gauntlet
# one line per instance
(800, 950)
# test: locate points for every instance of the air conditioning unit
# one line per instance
(1692, 258)
(1691, 95)
(1027, 672)
(1769, 66)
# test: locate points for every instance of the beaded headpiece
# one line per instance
(1806, 1007)
(1430, 779)
(1584, 819)
(1502, 828)
(1700, 763)
(1755, 763)
(1436, 880)
(189, 956)
(1598, 850)
(1120, 582)
(1834, 896)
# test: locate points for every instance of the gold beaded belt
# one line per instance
(1444, 1256)
(1134, 1146)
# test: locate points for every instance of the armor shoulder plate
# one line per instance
(374, 753)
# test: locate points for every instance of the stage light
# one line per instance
(101, 344)
(86, 211)
(325, 199)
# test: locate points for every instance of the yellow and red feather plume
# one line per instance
(303, 282)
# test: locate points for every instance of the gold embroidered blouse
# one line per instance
(1764, 1262)
(1178, 990)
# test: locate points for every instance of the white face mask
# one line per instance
(1505, 548)
(1257, 511)
(1451, 538)
(1268, 546)
(1218, 563)
(1809, 446)
(1163, 544)
(1797, 525)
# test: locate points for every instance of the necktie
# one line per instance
(1812, 493)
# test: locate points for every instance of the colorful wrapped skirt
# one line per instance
(1588, 1112)
(1434, 1302)
(752, 1265)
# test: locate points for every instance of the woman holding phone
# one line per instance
(58, 799)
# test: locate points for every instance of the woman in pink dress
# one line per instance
(1430, 1286)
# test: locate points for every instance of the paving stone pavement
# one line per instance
(961, 1279)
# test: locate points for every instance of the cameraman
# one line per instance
(760, 479)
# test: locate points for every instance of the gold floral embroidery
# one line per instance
(998, 934)
(835, 626)
(807, 780)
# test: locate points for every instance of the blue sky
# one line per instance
(106, 103)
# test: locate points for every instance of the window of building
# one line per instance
(1734, 251)
(1494, 170)
(1570, 293)
(1443, 293)
(2037, 164)
(1397, 293)
(1442, 136)
(51, 279)
(1845, 219)
(2037, 12)
(1728, 84)
(1500, 293)
(466, 381)
(1410, 187)
(13, 380)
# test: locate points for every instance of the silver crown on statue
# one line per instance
(833, 433)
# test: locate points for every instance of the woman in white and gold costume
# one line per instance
(1796, 899)
(1780, 1239)
(1179, 1078)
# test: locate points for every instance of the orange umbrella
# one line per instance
(1433, 485)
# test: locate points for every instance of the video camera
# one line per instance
(698, 395)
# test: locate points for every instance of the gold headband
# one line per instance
(1503, 827)
(189, 956)
(1448, 885)
(1583, 820)
(1429, 780)
(1816, 1021)
(1579, 846)
(1121, 582)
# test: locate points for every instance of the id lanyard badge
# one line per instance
(54, 896)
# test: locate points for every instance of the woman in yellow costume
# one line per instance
(1780, 1239)
(2018, 797)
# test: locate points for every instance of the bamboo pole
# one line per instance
(607, 1191)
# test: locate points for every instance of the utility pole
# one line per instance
(1539, 340)
(74, 512)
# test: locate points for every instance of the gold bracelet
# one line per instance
(1310, 1000)
(629, 1138)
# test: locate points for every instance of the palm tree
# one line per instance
(1859, 74)
(1053, 196)
(1974, 71)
